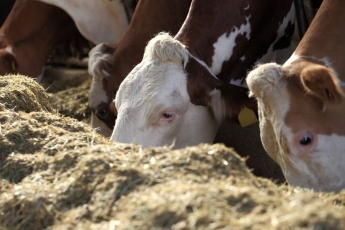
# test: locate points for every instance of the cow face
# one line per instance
(301, 113)
(153, 103)
(101, 95)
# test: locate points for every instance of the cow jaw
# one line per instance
(154, 108)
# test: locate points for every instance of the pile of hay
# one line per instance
(68, 92)
(57, 173)
(22, 94)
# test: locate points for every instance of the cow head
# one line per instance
(101, 65)
(157, 104)
(301, 111)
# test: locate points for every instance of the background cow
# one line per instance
(302, 107)
(33, 29)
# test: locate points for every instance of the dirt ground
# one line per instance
(57, 173)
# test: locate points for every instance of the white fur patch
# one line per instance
(201, 62)
(89, 15)
(239, 82)
(292, 59)
(96, 59)
(223, 48)
(97, 94)
(9, 49)
(218, 106)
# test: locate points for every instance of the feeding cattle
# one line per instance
(110, 64)
(33, 29)
(301, 104)
(184, 86)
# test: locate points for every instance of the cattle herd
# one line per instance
(174, 72)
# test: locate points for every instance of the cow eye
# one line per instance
(168, 115)
(306, 139)
(101, 112)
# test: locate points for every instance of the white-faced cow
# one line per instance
(110, 64)
(301, 104)
(185, 86)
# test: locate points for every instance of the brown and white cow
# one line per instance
(301, 104)
(30, 32)
(98, 21)
(33, 29)
(109, 64)
(180, 91)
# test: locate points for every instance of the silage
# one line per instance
(68, 92)
(20, 93)
(57, 173)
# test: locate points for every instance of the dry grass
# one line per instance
(57, 173)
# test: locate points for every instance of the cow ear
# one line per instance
(101, 60)
(322, 83)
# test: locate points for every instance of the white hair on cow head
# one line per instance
(99, 57)
(165, 48)
(263, 78)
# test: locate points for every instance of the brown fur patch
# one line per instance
(321, 82)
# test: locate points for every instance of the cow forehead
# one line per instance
(151, 81)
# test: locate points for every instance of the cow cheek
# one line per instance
(267, 136)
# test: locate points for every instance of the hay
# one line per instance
(57, 173)
(68, 92)
(20, 93)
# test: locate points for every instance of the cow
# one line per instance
(301, 104)
(33, 29)
(109, 64)
(113, 16)
(186, 85)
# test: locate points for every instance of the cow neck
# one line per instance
(227, 40)
(316, 44)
